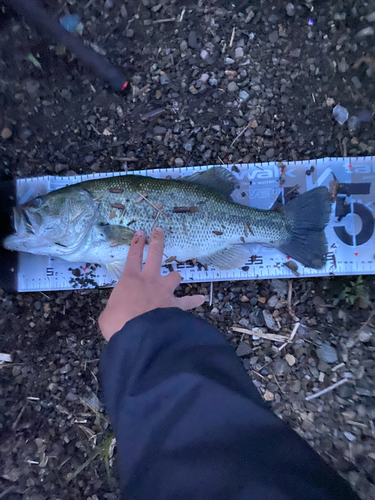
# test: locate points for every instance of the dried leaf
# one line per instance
(119, 206)
(116, 190)
(171, 259)
(112, 215)
(218, 233)
(242, 239)
(142, 196)
(34, 61)
(248, 228)
(180, 210)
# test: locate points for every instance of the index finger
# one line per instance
(155, 251)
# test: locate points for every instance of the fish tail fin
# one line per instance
(307, 216)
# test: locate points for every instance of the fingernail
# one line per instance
(139, 233)
(158, 229)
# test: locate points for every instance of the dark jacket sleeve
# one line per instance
(191, 425)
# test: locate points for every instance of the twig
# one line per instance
(154, 206)
(291, 338)
(327, 389)
(241, 133)
(123, 158)
(275, 337)
(290, 292)
(211, 293)
(232, 38)
(169, 20)
(182, 14)
(16, 422)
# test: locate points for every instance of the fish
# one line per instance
(94, 221)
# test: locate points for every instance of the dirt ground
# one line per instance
(213, 66)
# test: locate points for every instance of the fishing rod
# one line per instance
(36, 16)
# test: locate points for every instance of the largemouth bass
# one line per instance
(94, 221)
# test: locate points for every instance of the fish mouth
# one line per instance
(27, 222)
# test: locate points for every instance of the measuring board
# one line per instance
(350, 231)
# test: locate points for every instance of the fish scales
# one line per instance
(94, 221)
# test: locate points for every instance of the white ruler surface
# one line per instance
(351, 236)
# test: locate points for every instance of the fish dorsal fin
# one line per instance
(118, 235)
(232, 257)
(217, 178)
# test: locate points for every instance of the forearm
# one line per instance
(190, 424)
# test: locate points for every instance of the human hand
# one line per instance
(138, 291)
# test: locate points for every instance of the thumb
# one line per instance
(190, 302)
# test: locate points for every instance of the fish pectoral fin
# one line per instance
(232, 257)
(118, 235)
(218, 178)
(115, 268)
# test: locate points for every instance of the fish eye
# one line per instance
(37, 202)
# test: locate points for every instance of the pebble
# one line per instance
(204, 78)
(232, 87)
(349, 436)
(356, 82)
(326, 352)
(295, 53)
(179, 162)
(280, 287)
(272, 301)
(270, 322)
(6, 133)
(290, 359)
(369, 31)
(268, 396)
(244, 322)
(295, 386)
(274, 36)
(290, 9)
(238, 53)
(228, 60)
(189, 145)
(164, 80)
(280, 367)
(353, 123)
(93, 401)
(204, 54)
(365, 336)
(244, 95)
(243, 349)
(371, 17)
(343, 66)
(340, 114)
(213, 82)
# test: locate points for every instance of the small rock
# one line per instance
(268, 396)
(371, 17)
(193, 90)
(270, 322)
(280, 367)
(349, 436)
(16, 370)
(327, 353)
(365, 336)
(213, 82)
(274, 36)
(204, 54)
(244, 95)
(238, 53)
(243, 349)
(232, 87)
(290, 359)
(244, 298)
(6, 133)
(280, 287)
(365, 115)
(295, 386)
(369, 31)
(228, 60)
(159, 130)
(188, 146)
(179, 162)
(343, 66)
(244, 322)
(164, 80)
(356, 82)
(204, 78)
(353, 123)
(320, 305)
(340, 114)
(214, 311)
(272, 301)
(93, 401)
(295, 53)
(290, 9)
(192, 40)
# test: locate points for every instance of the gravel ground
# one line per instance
(214, 68)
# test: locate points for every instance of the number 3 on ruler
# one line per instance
(362, 211)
